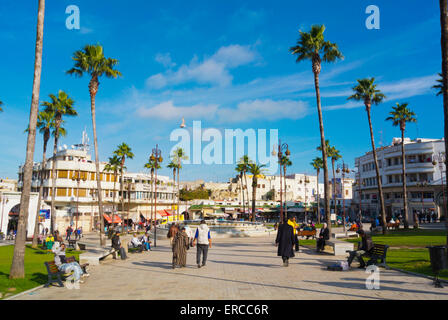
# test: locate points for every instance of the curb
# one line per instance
(24, 292)
(418, 274)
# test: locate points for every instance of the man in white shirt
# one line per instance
(204, 243)
(136, 243)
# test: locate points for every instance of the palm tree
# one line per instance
(18, 261)
(285, 162)
(114, 165)
(317, 165)
(255, 170)
(245, 163)
(91, 60)
(60, 105)
(173, 165)
(123, 151)
(439, 85)
(240, 169)
(367, 92)
(312, 46)
(1, 103)
(444, 47)
(45, 123)
(335, 156)
(152, 166)
(399, 116)
(179, 155)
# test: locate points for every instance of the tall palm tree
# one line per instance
(255, 170)
(312, 46)
(152, 166)
(399, 116)
(18, 261)
(91, 60)
(444, 46)
(367, 92)
(123, 151)
(60, 105)
(285, 162)
(173, 165)
(245, 163)
(335, 156)
(317, 165)
(45, 123)
(179, 155)
(240, 169)
(114, 165)
(439, 85)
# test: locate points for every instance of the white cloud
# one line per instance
(165, 60)
(213, 70)
(168, 111)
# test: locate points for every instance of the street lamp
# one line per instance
(281, 148)
(440, 159)
(156, 157)
(344, 170)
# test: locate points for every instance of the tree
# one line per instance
(152, 166)
(367, 92)
(114, 165)
(444, 46)
(439, 85)
(177, 157)
(123, 151)
(255, 170)
(317, 165)
(312, 46)
(60, 105)
(399, 116)
(335, 156)
(18, 261)
(285, 162)
(45, 123)
(240, 169)
(245, 163)
(91, 60)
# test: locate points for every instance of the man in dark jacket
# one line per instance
(323, 236)
(285, 242)
(365, 249)
(116, 244)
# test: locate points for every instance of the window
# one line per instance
(412, 159)
(62, 174)
(390, 179)
(61, 192)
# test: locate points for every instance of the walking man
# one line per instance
(285, 242)
(204, 243)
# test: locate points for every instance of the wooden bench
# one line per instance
(395, 225)
(378, 253)
(73, 259)
(72, 244)
(307, 233)
(54, 275)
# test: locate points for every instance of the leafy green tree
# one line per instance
(367, 92)
(91, 60)
(439, 85)
(244, 164)
(61, 106)
(240, 170)
(152, 165)
(400, 115)
(256, 170)
(313, 46)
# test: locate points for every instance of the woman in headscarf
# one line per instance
(180, 246)
(172, 232)
(285, 242)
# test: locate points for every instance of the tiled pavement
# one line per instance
(237, 269)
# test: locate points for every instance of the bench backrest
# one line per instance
(307, 232)
(379, 249)
(51, 267)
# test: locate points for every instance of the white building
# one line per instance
(424, 178)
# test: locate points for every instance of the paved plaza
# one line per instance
(237, 268)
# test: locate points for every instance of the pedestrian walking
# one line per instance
(285, 242)
(172, 232)
(292, 222)
(180, 246)
(68, 233)
(189, 233)
(204, 243)
(324, 235)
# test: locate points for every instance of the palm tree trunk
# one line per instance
(378, 177)
(93, 88)
(247, 191)
(122, 197)
(53, 174)
(324, 150)
(318, 204)
(242, 192)
(41, 187)
(444, 47)
(405, 195)
(178, 193)
(254, 194)
(113, 199)
(18, 261)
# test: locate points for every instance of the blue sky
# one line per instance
(226, 64)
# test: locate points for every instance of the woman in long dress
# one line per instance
(180, 247)
(285, 242)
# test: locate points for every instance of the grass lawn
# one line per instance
(35, 271)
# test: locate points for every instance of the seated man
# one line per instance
(366, 248)
(324, 235)
(136, 243)
(146, 242)
(61, 262)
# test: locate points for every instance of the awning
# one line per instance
(117, 219)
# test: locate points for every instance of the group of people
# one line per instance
(77, 233)
(182, 238)
(426, 217)
(141, 243)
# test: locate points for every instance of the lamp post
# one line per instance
(440, 159)
(156, 157)
(281, 148)
(305, 182)
(343, 169)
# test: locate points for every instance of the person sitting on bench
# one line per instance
(136, 243)
(61, 262)
(324, 235)
(366, 247)
(146, 242)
